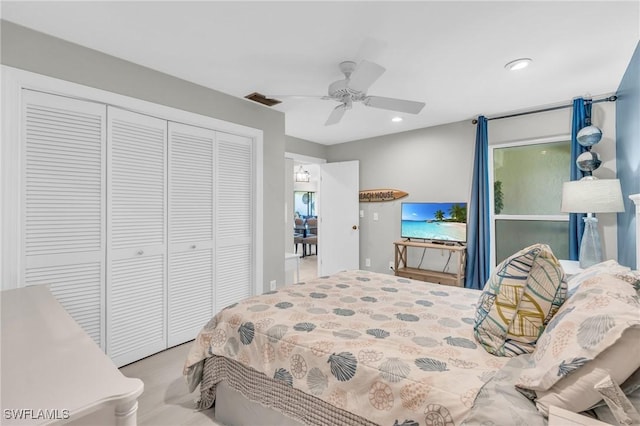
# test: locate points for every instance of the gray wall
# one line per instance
(304, 147)
(628, 156)
(431, 164)
(33, 51)
(435, 164)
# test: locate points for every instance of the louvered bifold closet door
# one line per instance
(136, 254)
(191, 222)
(63, 198)
(234, 219)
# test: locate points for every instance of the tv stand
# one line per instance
(447, 278)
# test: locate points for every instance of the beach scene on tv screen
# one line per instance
(435, 221)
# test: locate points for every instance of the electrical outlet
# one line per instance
(272, 284)
(367, 262)
(375, 216)
(391, 265)
(361, 213)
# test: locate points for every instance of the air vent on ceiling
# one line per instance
(262, 99)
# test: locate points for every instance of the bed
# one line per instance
(363, 348)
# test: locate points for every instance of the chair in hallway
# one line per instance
(299, 226)
(311, 240)
(312, 226)
(299, 239)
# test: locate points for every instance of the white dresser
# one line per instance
(53, 372)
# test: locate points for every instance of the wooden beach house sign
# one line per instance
(374, 195)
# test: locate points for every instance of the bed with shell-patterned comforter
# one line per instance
(356, 347)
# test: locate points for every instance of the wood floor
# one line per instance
(165, 400)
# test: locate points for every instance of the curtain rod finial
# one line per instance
(474, 121)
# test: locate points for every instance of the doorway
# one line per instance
(301, 206)
(337, 223)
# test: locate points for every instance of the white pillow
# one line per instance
(587, 324)
(608, 266)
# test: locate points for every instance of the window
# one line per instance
(526, 181)
(305, 203)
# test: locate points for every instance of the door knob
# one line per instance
(140, 252)
(354, 227)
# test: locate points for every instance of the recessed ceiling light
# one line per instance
(396, 119)
(518, 64)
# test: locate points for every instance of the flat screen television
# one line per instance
(437, 222)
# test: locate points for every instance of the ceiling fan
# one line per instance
(353, 88)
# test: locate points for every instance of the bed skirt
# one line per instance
(271, 393)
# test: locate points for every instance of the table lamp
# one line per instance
(591, 195)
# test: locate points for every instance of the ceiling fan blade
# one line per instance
(336, 115)
(393, 104)
(365, 74)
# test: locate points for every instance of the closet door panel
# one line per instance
(190, 294)
(234, 218)
(63, 202)
(191, 231)
(138, 181)
(137, 326)
(136, 255)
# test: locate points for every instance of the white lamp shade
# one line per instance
(592, 196)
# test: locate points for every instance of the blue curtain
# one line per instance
(581, 110)
(478, 244)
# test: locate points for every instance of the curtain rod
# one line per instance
(607, 99)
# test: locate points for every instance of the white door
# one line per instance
(137, 224)
(190, 297)
(235, 207)
(63, 195)
(338, 227)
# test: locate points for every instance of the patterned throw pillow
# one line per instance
(589, 322)
(518, 300)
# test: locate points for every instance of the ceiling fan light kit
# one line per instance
(518, 64)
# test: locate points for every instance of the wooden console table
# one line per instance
(53, 372)
(447, 278)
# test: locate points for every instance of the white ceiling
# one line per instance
(450, 54)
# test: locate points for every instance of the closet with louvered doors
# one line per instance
(63, 204)
(191, 230)
(137, 240)
(234, 208)
(142, 227)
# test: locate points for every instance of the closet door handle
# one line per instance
(193, 246)
(140, 252)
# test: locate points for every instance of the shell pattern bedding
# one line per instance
(388, 349)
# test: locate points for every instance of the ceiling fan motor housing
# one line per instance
(340, 89)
